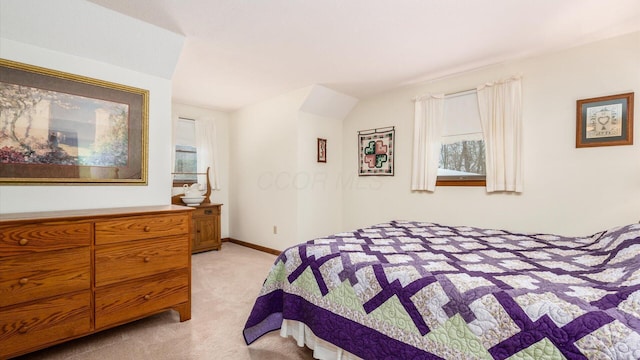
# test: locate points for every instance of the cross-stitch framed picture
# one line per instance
(605, 121)
(376, 149)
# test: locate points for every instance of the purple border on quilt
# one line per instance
(265, 316)
(344, 333)
(270, 323)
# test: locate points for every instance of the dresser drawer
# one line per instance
(44, 322)
(27, 239)
(141, 227)
(128, 301)
(35, 276)
(206, 211)
(136, 259)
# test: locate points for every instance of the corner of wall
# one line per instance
(328, 103)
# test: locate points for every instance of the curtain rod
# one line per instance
(461, 92)
(449, 95)
(375, 131)
(473, 90)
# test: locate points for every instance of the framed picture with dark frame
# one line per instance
(605, 121)
(60, 128)
(322, 150)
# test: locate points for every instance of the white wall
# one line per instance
(66, 42)
(221, 119)
(263, 149)
(318, 184)
(17, 198)
(566, 190)
(276, 179)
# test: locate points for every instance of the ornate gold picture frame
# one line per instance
(57, 127)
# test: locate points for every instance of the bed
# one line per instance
(414, 290)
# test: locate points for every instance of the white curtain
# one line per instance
(427, 133)
(207, 152)
(174, 126)
(174, 123)
(500, 106)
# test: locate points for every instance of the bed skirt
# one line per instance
(322, 350)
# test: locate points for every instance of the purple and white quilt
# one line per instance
(411, 290)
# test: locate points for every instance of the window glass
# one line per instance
(462, 155)
(186, 157)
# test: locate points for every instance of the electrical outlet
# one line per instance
(275, 229)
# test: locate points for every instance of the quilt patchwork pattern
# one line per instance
(422, 290)
(376, 149)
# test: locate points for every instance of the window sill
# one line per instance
(461, 182)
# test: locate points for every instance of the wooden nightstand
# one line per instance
(206, 228)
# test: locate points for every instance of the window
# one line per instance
(186, 156)
(462, 155)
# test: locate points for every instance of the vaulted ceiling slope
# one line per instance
(239, 52)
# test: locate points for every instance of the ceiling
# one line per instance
(239, 52)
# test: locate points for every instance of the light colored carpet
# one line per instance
(225, 284)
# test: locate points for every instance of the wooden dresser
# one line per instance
(67, 274)
(206, 228)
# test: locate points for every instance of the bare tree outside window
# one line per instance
(186, 153)
(462, 154)
(463, 157)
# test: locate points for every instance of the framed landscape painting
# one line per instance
(58, 127)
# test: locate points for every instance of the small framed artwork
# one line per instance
(61, 128)
(605, 121)
(375, 152)
(322, 150)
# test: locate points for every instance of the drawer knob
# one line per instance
(23, 242)
(147, 229)
(23, 281)
(23, 329)
(147, 297)
(147, 259)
